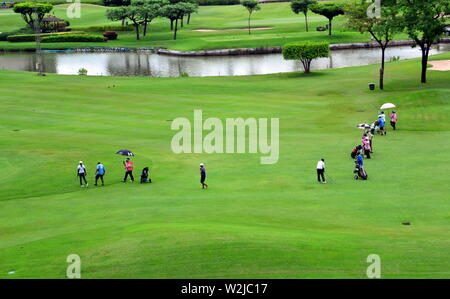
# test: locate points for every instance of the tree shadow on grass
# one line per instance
(301, 74)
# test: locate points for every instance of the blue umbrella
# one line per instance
(125, 152)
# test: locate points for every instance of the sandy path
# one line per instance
(440, 65)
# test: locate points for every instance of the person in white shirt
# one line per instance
(81, 172)
(321, 171)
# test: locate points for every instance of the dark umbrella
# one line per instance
(125, 152)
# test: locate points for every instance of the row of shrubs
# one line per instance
(4, 35)
(218, 2)
(106, 28)
(73, 38)
(19, 38)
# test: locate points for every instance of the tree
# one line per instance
(306, 52)
(149, 10)
(33, 12)
(175, 12)
(424, 21)
(303, 6)
(329, 11)
(251, 6)
(116, 2)
(382, 29)
(117, 14)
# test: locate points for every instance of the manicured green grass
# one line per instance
(229, 22)
(255, 221)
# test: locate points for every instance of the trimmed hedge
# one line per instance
(306, 50)
(19, 38)
(73, 38)
(218, 2)
(110, 35)
(106, 28)
(4, 35)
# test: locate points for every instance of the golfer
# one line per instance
(360, 160)
(129, 167)
(381, 123)
(321, 171)
(366, 145)
(81, 173)
(203, 176)
(394, 119)
(99, 173)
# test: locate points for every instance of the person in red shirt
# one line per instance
(129, 167)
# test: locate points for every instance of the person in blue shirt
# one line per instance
(203, 176)
(100, 173)
(382, 122)
(360, 160)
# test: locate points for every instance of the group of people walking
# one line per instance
(366, 146)
(129, 167)
(100, 172)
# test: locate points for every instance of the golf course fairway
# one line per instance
(254, 221)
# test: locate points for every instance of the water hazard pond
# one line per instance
(146, 63)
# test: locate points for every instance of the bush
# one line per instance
(217, 2)
(4, 35)
(32, 37)
(73, 38)
(106, 28)
(110, 35)
(306, 52)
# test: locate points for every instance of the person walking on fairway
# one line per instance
(129, 167)
(81, 173)
(99, 173)
(203, 176)
(382, 122)
(394, 120)
(360, 160)
(321, 171)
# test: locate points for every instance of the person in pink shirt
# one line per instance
(366, 145)
(394, 119)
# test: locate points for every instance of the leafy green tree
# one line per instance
(177, 11)
(132, 13)
(251, 6)
(329, 11)
(306, 52)
(117, 14)
(33, 12)
(149, 10)
(382, 29)
(303, 6)
(424, 21)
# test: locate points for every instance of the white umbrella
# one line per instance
(387, 106)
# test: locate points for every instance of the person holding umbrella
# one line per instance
(129, 167)
(81, 173)
(128, 164)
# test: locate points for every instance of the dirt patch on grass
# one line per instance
(440, 65)
(204, 30)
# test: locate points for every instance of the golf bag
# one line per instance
(356, 151)
(360, 173)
